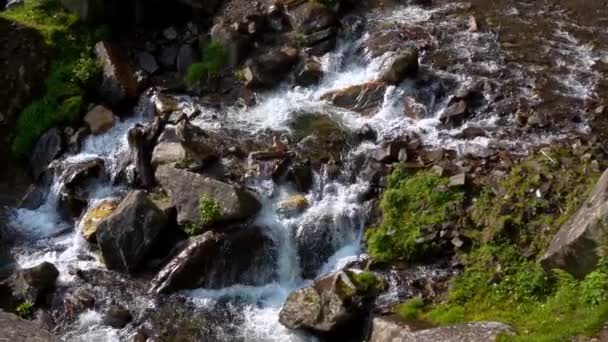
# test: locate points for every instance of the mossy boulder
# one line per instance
(293, 205)
(333, 303)
(91, 219)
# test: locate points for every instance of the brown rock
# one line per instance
(100, 119)
(364, 98)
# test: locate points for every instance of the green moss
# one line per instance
(367, 282)
(502, 280)
(410, 309)
(24, 310)
(214, 58)
(210, 211)
(72, 73)
(411, 202)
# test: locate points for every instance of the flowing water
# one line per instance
(553, 68)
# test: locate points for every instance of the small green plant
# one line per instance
(209, 212)
(24, 310)
(410, 203)
(367, 282)
(214, 58)
(410, 308)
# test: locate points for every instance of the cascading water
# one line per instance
(335, 205)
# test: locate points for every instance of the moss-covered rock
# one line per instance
(91, 219)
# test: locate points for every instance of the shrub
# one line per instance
(411, 202)
(209, 212)
(410, 308)
(24, 310)
(214, 58)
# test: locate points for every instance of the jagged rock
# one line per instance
(413, 109)
(100, 119)
(332, 303)
(129, 233)
(91, 219)
(186, 56)
(268, 69)
(147, 62)
(28, 284)
(167, 153)
(201, 145)
(401, 65)
(76, 175)
(575, 247)
(186, 188)
(47, 149)
(215, 260)
(364, 98)
(454, 112)
(73, 196)
(119, 83)
(315, 26)
(310, 74)
(142, 140)
(15, 329)
(390, 329)
(117, 317)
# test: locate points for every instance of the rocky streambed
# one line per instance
(277, 169)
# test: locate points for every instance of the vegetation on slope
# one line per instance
(72, 74)
(214, 58)
(510, 226)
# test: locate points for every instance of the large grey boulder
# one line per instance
(29, 284)
(118, 83)
(216, 260)
(130, 232)
(15, 329)
(390, 329)
(186, 188)
(268, 69)
(332, 303)
(575, 247)
(46, 150)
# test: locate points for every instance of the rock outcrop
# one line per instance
(46, 150)
(217, 260)
(186, 188)
(28, 284)
(119, 83)
(575, 247)
(15, 329)
(387, 329)
(130, 232)
(332, 303)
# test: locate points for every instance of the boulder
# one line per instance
(310, 74)
(168, 57)
(167, 153)
(91, 219)
(46, 150)
(186, 188)
(165, 104)
(216, 260)
(130, 232)
(100, 119)
(119, 83)
(575, 247)
(315, 26)
(401, 65)
(269, 68)
(293, 205)
(117, 317)
(147, 62)
(364, 98)
(15, 329)
(333, 303)
(390, 329)
(29, 284)
(186, 56)
(237, 45)
(74, 194)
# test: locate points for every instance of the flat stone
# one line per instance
(458, 180)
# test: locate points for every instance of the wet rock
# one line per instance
(575, 247)
(215, 260)
(28, 284)
(457, 109)
(300, 174)
(270, 68)
(119, 83)
(15, 329)
(46, 150)
(414, 109)
(34, 197)
(365, 98)
(75, 141)
(332, 303)
(186, 188)
(165, 104)
(91, 219)
(142, 140)
(117, 317)
(186, 56)
(367, 133)
(147, 62)
(388, 329)
(293, 205)
(401, 65)
(315, 26)
(202, 145)
(472, 133)
(167, 153)
(310, 74)
(76, 175)
(100, 119)
(130, 232)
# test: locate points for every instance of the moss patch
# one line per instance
(72, 74)
(214, 58)
(411, 203)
